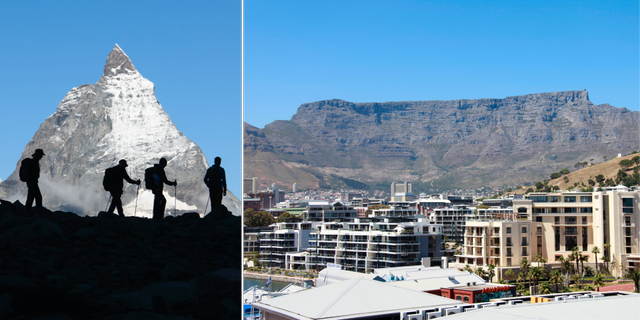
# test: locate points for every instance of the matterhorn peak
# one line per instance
(118, 62)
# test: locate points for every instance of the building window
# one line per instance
(627, 202)
(554, 199)
(524, 241)
(556, 220)
(558, 256)
(459, 298)
(554, 210)
(509, 252)
(508, 229)
(509, 244)
(572, 231)
(508, 262)
(570, 220)
(557, 238)
(465, 299)
(524, 229)
(570, 242)
(586, 210)
(538, 198)
(570, 210)
(569, 198)
(585, 199)
(585, 242)
(539, 230)
(524, 252)
(584, 220)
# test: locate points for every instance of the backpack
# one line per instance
(151, 179)
(110, 179)
(24, 170)
(213, 176)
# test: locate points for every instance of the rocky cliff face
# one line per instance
(94, 127)
(444, 144)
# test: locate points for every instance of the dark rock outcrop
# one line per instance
(444, 144)
(107, 267)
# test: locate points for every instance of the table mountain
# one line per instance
(96, 125)
(441, 144)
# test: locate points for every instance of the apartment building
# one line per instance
(502, 243)
(453, 220)
(290, 236)
(363, 244)
(554, 223)
(325, 211)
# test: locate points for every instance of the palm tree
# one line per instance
(605, 259)
(479, 271)
(555, 278)
(575, 277)
(607, 250)
(534, 274)
(598, 281)
(582, 260)
(634, 275)
(467, 268)
(575, 254)
(544, 288)
(595, 252)
(540, 259)
(491, 272)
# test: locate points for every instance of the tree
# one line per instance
(636, 160)
(575, 254)
(254, 218)
(285, 215)
(576, 278)
(539, 185)
(534, 274)
(598, 281)
(540, 259)
(595, 252)
(467, 268)
(491, 272)
(544, 288)
(606, 258)
(564, 171)
(555, 278)
(626, 163)
(600, 178)
(480, 271)
(509, 274)
(529, 190)
(591, 182)
(555, 175)
(634, 275)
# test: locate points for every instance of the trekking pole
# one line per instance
(107, 207)
(136, 208)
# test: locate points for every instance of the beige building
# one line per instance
(554, 223)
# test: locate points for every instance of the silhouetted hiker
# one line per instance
(29, 173)
(154, 179)
(112, 182)
(217, 182)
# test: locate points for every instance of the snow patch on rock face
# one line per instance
(95, 126)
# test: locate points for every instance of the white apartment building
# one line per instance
(363, 244)
(290, 236)
(453, 220)
(325, 211)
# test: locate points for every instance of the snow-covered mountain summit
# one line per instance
(96, 125)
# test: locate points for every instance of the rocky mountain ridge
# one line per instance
(94, 127)
(439, 144)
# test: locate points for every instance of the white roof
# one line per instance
(331, 275)
(620, 307)
(426, 284)
(353, 298)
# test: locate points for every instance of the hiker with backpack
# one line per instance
(113, 183)
(217, 182)
(154, 179)
(29, 173)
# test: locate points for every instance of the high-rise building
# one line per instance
(250, 185)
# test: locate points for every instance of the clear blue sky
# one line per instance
(190, 50)
(376, 51)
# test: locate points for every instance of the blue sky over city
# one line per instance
(377, 51)
(191, 51)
